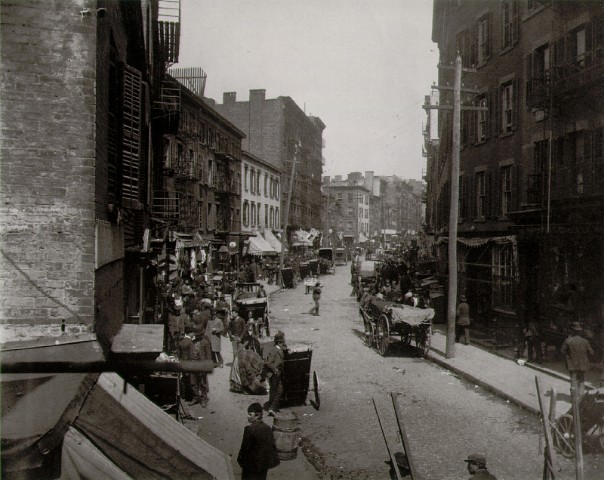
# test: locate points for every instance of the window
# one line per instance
(349, 226)
(246, 212)
(350, 197)
(509, 34)
(252, 181)
(507, 107)
(577, 47)
(481, 193)
(338, 196)
(506, 189)
(484, 40)
(245, 174)
(277, 192)
(503, 276)
(266, 215)
(266, 184)
(272, 217)
(482, 116)
(211, 175)
(350, 211)
(277, 218)
(258, 184)
(253, 214)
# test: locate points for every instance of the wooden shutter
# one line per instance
(492, 193)
(515, 102)
(528, 61)
(514, 13)
(131, 133)
(496, 109)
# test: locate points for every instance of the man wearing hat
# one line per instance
(258, 452)
(477, 466)
(274, 371)
(463, 320)
(577, 351)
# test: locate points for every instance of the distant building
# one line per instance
(260, 195)
(278, 132)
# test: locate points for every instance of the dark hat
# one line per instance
(576, 326)
(318, 284)
(463, 298)
(478, 458)
(254, 408)
(279, 336)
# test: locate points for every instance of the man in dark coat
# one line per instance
(258, 452)
(577, 351)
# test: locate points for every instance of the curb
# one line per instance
(434, 355)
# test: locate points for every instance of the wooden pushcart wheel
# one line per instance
(563, 436)
(383, 335)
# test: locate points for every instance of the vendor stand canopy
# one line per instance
(301, 238)
(259, 246)
(272, 240)
(78, 425)
(362, 238)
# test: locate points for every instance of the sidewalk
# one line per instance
(503, 376)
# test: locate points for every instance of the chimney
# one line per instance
(229, 97)
(257, 95)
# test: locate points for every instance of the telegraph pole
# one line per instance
(286, 213)
(454, 206)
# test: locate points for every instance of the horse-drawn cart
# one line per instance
(384, 321)
(253, 305)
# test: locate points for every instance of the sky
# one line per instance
(362, 66)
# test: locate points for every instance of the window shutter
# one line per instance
(529, 77)
(473, 47)
(589, 45)
(489, 36)
(492, 194)
(516, 190)
(514, 7)
(496, 108)
(131, 133)
(515, 102)
(471, 119)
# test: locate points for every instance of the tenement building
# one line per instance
(279, 132)
(531, 192)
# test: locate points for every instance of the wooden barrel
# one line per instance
(286, 433)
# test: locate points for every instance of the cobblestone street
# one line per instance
(445, 417)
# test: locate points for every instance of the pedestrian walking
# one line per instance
(477, 466)
(258, 452)
(214, 333)
(274, 372)
(316, 296)
(463, 320)
(577, 351)
(532, 341)
(236, 330)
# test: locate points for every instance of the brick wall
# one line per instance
(47, 173)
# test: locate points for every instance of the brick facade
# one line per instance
(47, 180)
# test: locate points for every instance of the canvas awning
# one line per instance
(259, 246)
(94, 427)
(362, 238)
(301, 238)
(272, 240)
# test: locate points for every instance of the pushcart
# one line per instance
(591, 414)
(297, 377)
(253, 307)
(384, 320)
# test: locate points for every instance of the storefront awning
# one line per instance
(362, 238)
(272, 240)
(259, 246)
(478, 241)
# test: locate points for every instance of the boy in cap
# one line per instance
(477, 466)
(463, 320)
(274, 371)
(258, 452)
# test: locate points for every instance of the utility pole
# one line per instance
(286, 213)
(454, 206)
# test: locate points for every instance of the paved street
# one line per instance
(445, 416)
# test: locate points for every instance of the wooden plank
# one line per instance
(548, 458)
(390, 452)
(404, 438)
